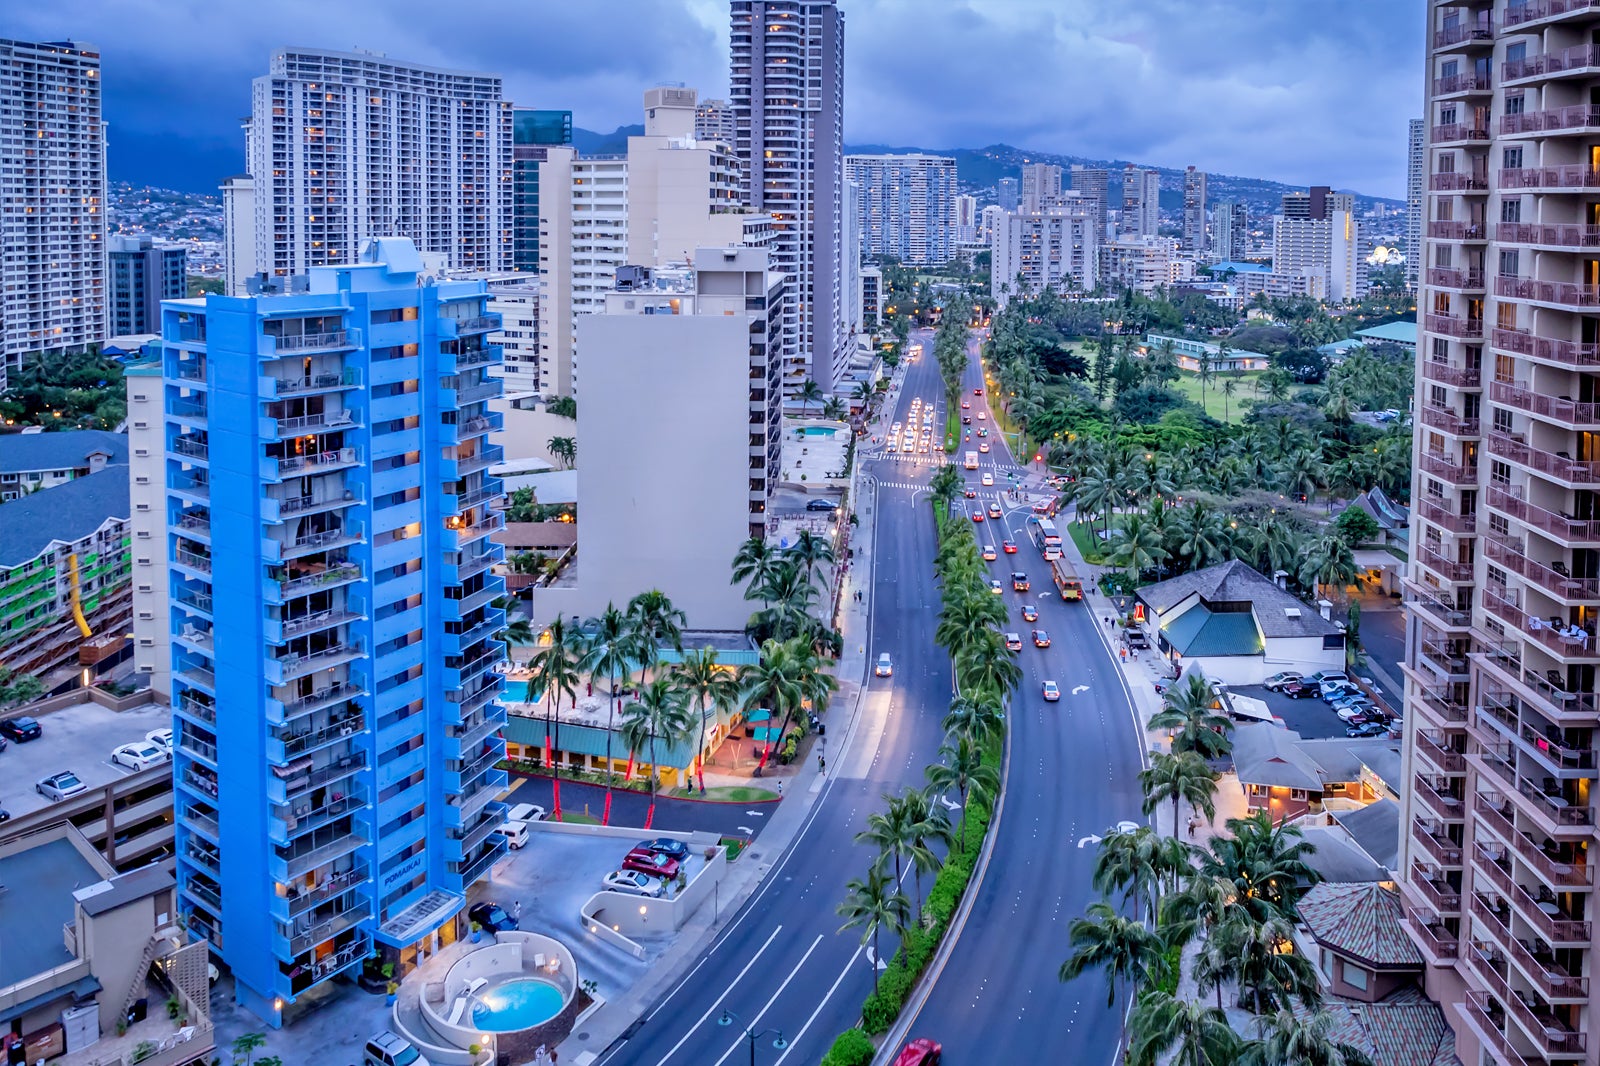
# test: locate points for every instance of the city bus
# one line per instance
(1066, 578)
(1045, 536)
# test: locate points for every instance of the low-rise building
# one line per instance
(1190, 352)
(31, 462)
(1402, 333)
(1288, 777)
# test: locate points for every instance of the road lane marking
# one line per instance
(751, 1025)
(684, 1039)
(1079, 688)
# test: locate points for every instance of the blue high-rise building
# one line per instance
(333, 622)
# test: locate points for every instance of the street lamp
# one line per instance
(779, 1044)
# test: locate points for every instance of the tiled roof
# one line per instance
(1277, 613)
(1376, 828)
(1407, 1029)
(22, 453)
(66, 513)
(1200, 631)
(1360, 920)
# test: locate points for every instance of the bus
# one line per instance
(1066, 578)
(971, 462)
(1045, 536)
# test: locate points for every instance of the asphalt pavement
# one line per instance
(628, 808)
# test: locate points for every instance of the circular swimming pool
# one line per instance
(517, 1004)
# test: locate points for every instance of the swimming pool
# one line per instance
(519, 1004)
(817, 431)
(516, 692)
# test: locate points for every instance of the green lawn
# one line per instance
(1088, 544)
(731, 793)
(1189, 386)
(579, 818)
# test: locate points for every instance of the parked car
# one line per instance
(527, 812)
(1136, 638)
(1329, 689)
(516, 834)
(491, 916)
(1347, 713)
(1013, 642)
(161, 738)
(1299, 690)
(635, 882)
(1367, 729)
(673, 849)
(1051, 692)
(920, 1052)
(1030, 613)
(1276, 682)
(140, 755)
(60, 786)
(885, 667)
(1328, 675)
(650, 862)
(387, 1049)
(1041, 639)
(821, 505)
(21, 729)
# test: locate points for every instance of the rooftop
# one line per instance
(35, 902)
(1394, 332)
(79, 739)
(1407, 1029)
(1376, 830)
(1343, 759)
(1200, 631)
(1362, 921)
(122, 889)
(23, 453)
(1338, 858)
(64, 514)
(1267, 755)
(1277, 613)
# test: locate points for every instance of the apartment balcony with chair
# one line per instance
(1464, 36)
(1572, 119)
(1448, 420)
(1579, 60)
(1544, 1029)
(1444, 373)
(1549, 235)
(1439, 513)
(1488, 1022)
(1557, 465)
(1547, 12)
(1439, 749)
(1433, 938)
(1457, 230)
(1567, 642)
(1453, 326)
(1510, 500)
(1436, 700)
(1468, 84)
(1548, 692)
(1446, 658)
(1561, 409)
(1567, 177)
(1434, 606)
(1448, 468)
(1561, 294)
(1436, 845)
(1431, 886)
(1554, 579)
(1459, 181)
(1444, 804)
(1456, 278)
(1450, 570)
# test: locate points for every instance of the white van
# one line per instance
(516, 834)
(971, 462)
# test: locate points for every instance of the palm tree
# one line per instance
(1137, 546)
(1181, 777)
(515, 632)
(754, 562)
(1199, 728)
(610, 648)
(1207, 363)
(712, 687)
(987, 666)
(1229, 387)
(873, 902)
(1266, 864)
(556, 668)
(787, 674)
(788, 593)
(1130, 953)
(810, 552)
(977, 717)
(833, 410)
(1130, 863)
(810, 393)
(1271, 974)
(893, 832)
(660, 713)
(1197, 1035)
(962, 768)
(1329, 562)
(655, 622)
(1288, 1038)
(565, 449)
(946, 485)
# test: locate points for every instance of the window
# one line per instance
(1355, 976)
(1511, 210)
(1297, 793)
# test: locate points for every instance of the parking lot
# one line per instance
(79, 739)
(1311, 718)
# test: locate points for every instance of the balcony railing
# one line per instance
(1457, 230)
(1446, 373)
(1577, 57)
(1434, 748)
(335, 573)
(1455, 278)
(1475, 33)
(193, 560)
(1445, 568)
(1439, 894)
(1580, 710)
(1567, 353)
(295, 743)
(1459, 131)
(1557, 525)
(1558, 641)
(338, 338)
(1545, 577)
(1448, 469)
(1570, 235)
(1442, 804)
(1557, 119)
(1545, 973)
(1483, 1016)
(1434, 938)
(1561, 467)
(1576, 176)
(1517, 14)
(1458, 181)
(1564, 293)
(322, 420)
(339, 690)
(1440, 848)
(1556, 408)
(1470, 82)
(293, 666)
(1441, 516)
(1548, 1032)
(304, 464)
(1554, 807)
(349, 378)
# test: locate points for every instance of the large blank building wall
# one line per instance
(666, 414)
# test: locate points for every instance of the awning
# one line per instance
(1250, 707)
(760, 714)
(767, 734)
(82, 988)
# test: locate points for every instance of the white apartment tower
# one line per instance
(1416, 180)
(1141, 202)
(1194, 211)
(906, 206)
(966, 218)
(1316, 233)
(1230, 232)
(1041, 186)
(347, 146)
(786, 77)
(239, 232)
(713, 121)
(1092, 184)
(52, 200)
(1058, 248)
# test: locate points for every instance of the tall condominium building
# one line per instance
(142, 273)
(532, 134)
(147, 480)
(1499, 842)
(239, 233)
(966, 218)
(1058, 248)
(669, 195)
(52, 200)
(688, 354)
(1141, 201)
(989, 221)
(906, 206)
(786, 78)
(333, 619)
(1416, 181)
(1093, 184)
(347, 146)
(1041, 186)
(1316, 233)
(1006, 193)
(1230, 232)
(514, 299)
(1194, 211)
(713, 121)
(1143, 264)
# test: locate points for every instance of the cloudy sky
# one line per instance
(1301, 91)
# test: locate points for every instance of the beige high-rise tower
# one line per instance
(1498, 838)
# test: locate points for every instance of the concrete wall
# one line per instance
(527, 431)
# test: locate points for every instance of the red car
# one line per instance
(977, 516)
(1010, 548)
(972, 494)
(966, 405)
(977, 392)
(650, 862)
(920, 1052)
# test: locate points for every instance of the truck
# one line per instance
(1066, 578)
(971, 461)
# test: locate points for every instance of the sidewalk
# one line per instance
(802, 785)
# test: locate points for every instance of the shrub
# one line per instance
(850, 1048)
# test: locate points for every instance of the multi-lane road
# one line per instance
(781, 962)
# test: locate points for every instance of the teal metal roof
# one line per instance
(1397, 332)
(591, 740)
(1199, 631)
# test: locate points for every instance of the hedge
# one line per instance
(851, 1048)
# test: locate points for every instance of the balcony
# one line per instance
(1458, 181)
(1434, 747)
(1554, 869)
(1490, 864)
(1556, 810)
(1542, 10)
(1435, 941)
(1563, 409)
(1548, 693)
(1480, 33)
(300, 780)
(301, 861)
(1440, 895)
(1545, 973)
(201, 710)
(195, 485)
(1555, 464)
(300, 625)
(479, 867)
(1454, 84)
(1437, 701)
(1574, 118)
(1440, 848)
(329, 928)
(335, 574)
(1550, 635)
(1574, 177)
(1450, 571)
(349, 378)
(1456, 230)
(299, 743)
(1448, 469)
(1455, 278)
(1571, 235)
(463, 327)
(1549, 1033)
(1567, 294)
(1442, 516)
(297, 900)
(293, 666)
(1559, 526)
(1446, 806)
(1461, 377)
(294, 505)
(337, 692)
(1488, 1021)
(321, 422)
(313, 342)
(1558, 584)
(318, 542)
(1576, 59)
(1456, 132)
(193, 560)
(317, 463)
(191, 448)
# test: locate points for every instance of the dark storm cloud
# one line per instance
(1299, 90)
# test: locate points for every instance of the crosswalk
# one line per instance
(902, 485)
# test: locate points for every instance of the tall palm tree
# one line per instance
(928, 824)
(783, 679)
(1181, 777)
(1199, 728)
(517, 632)
(660, 713)
(1130, 863)
(1330, 562)
(1265, 862)
(753, 563)
(1128, 952)
(810, 552)
(987, 666)
(893, 832)
(833, 410)
(977, 717)
(555, 668)
(1196, 1035)
(962, 768)
(1137, 546)
(1229, 387)
(788, 594)
(656, 622)
(712, 688)
(611, 649)
(946, 485)
(872, 903)
(810, 393)
(1271, 975)
(1288, 1038)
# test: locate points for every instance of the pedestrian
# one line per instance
(1192, 824)
(780, 788)
(552, 1057)
(516, 910)
(822, 765)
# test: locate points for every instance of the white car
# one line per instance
(988, 480)
(60, 786)
(885, 667)
(140, 755)
(994, 587)
(516, 834)
(161, 738)
(636, 883)
(526, 812)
